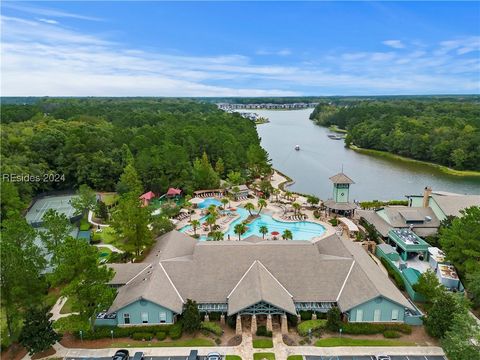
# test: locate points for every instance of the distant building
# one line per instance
(340, 203)
(147, 197)
(443, 204)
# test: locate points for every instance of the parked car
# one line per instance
(214, 356)
(193, 355)
(383, 357)
(121, 355)
(138, 355)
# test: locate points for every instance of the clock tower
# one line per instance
(340, 202)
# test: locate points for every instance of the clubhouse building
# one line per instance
(256, 280)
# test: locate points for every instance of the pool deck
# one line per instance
(271, 209)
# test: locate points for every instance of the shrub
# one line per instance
(214, 316)
(369, 329)
(102, 332)
(218, 341)
(232, 321)
(292, 320)
(262, 331)
(391, 334)
(334, 320)
(161, 335)
(142, 336)
(310, 325)
(175, 331)
(306, 315)
(394, 274)
(333, 221)
(212, 327)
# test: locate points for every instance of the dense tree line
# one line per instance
(89, 141)
(445, 132)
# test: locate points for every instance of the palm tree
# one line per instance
(249, 206)
(276, 192)
(211, 221)
(240, 229)
(296, 207)
(225, 201)
(195, 224)
(288, 194)
(217, 235)
(188, 205)
(212, 210)
(261, 204)
(287, 235)
(263, 230)
(236, 191)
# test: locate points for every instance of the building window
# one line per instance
(359, 315)
(377, 315)
(144, 317)
(163, 317)
(394, 314)
(126, 318)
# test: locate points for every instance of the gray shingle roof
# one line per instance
(278, 272)
(341, 178)
(452, 204)
(126, 272)
(257, 285)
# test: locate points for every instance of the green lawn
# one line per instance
(176, 343)
(110, 199)
(295, 357)
(336, 341)
(261, 356)
(67, 307)
(233, 357)
(304, 326)
(262, 343)
(104, 252)
(108, 236)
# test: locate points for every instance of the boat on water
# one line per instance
(335, 137)
(297, 147)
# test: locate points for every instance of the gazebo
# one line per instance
(173, 192)
(147, 197)
(340, 203)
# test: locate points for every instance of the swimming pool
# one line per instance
(301, 230)
(209, 201)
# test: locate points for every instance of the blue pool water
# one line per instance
(301, 230)
(209, 201)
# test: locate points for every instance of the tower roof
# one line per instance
(341, 178)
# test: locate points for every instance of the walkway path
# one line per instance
(111, 247)
(90, 220)
(57, 307)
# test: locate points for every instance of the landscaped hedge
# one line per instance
(161, 335)
(262, 331)
(214, 316)
(391, 334)
(212, 327)
(175, 331)
(369, 328)
(142, 336)
(120, 332)
(312, 325)
(393, 273)
(306, 315)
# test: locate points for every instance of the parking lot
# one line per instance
(145, 358)
(372, 357)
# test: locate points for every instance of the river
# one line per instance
(320, 157)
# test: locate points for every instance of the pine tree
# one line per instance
(37, 334)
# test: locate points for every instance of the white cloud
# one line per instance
(69, 63)
(46, 12)
(396, 44)
(282, 52)
(48, 21)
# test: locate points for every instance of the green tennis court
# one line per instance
(61, 204)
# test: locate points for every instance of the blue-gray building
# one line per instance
(255, 278)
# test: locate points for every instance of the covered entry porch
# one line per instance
(261, 313)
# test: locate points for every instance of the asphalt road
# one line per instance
(145, 358)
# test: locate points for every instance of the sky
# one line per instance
(135, 48)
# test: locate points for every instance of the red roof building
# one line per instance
(172, 192)
(147, 197)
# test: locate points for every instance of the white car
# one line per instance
(214, 356)
(383, 357)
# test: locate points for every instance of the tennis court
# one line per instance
(61, 204)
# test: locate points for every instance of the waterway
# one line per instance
(320, 157)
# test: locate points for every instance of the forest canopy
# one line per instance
(89, 140)
(444, 132)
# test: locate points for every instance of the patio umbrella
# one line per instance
(275, 233)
